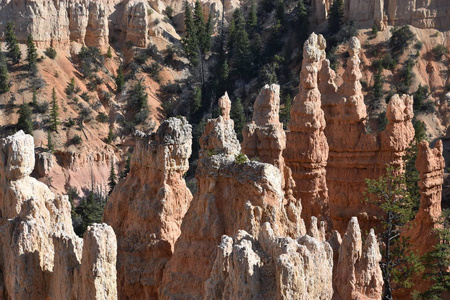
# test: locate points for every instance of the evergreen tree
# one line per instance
(50, 145)
(109, 53)
(54, 113)
(378, 84)
(199, 24)
(438, 262)
(206, 44)
(25, 123)
(112, 179)
(399, 264)
(4, 76)
(120, 80)
(240, 51)
(137, 102)
(31, 55)
(303, 21)
(127, 169)
(280, 15)
(34, 98)
(70, 87)
(237, 114)
(110, 136)
(12, 44)
(196, 104)
(252, 19)
(335, 20)
(285, 113)
(419, 97)
(190, 41)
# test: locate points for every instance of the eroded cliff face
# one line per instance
(40, 254)
(147, 208)
(356, 154)
(233, 194)
(421, 14)
(306, 152)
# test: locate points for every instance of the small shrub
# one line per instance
(153, 70)
(51, 53)
(70, 122)
(439, 51)
(211, 152)
(85, 114)
(76, 140)
(418, 46)
(129, 44)
(41, 108)
(436, 34)
(169, 12)
(240, 158)
(401, 39)
(85, 96)
(102, 118)
(375, 30)
(428, 107)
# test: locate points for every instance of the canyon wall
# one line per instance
(421, 14)
(147, 208)
(40, 255)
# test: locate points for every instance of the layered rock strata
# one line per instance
(40, 255)
(306, 152)
(147, 208)
(233, 194)
(355, 153)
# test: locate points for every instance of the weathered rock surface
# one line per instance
(354, 153)
(40, 255)
(265, 140)
(306, 152)
(146, 209)
(271, 267)
(232, 195)
(358, 274)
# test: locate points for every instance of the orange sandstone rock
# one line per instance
(147, 208)
(306, 152)
(231, 196)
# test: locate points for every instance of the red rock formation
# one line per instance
(358, 273)
(265, 140)
(306, 153)
(147, 208)
(40, 255)
(232, 195)
(356, 154)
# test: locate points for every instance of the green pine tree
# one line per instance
(438, 262)
(237, 114)
(50, 145)
(110, 137)
(252, 19)
(31, 55)
(120, 80)
(4, 75)
(190, 41)
(25, 122)
(54, 113)
(399, 264)
(336, 18)
(303, 21)
(34, 99)
(196, 104)
(109, 53)
(378, 84)
(70, 89)
(280, 14)
(112, 179)
(12, 44)
(285, 112)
